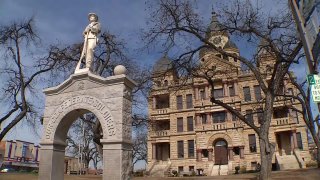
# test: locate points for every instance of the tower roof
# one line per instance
(162, 65)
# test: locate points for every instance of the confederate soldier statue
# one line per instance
(90, 41)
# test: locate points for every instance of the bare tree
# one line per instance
(173, 21)
(20, 68)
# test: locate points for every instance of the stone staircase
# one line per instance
(219, 170)
(287, 162)
(160, 169)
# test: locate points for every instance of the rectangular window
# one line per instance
(190, 148)
(190, 123)
(252, 143)
(236, 150)
(218, 93)
(219, 117)
(260, 115)
(246, 94)
(299, 140)
(204, 153)
(180, 149)
(191, 168)
(189, 101)
(249, 116)
(179, 102)
(180, 169)
(295, 116)
(257, 92)
(204, 118)
(232, 91)
(202, 94)
(180, 124)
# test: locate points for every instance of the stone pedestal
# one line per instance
(109, 99)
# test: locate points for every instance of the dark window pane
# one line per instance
(252, 143)
(180, 149)
(179, 102)
(257, 93)
(218, 93)
(236, 150)
(234, 117)
(249, 116)
(204, 118)
(219, 117)
(299, 140)
(179, 124)
(191, 148)
(189, 101)
(260, 115)
(232, 91)
(202, 94)
(190, 123)
(246, 94)
(204, 153)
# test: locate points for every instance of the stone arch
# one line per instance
(72, 108)
(219, 136)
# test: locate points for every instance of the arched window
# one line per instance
(221, 143)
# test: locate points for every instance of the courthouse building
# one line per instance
(189, 133)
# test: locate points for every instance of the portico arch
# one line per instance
(218, 136)
(109, 99)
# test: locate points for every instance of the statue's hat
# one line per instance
(93, 14)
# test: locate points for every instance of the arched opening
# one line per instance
(220, 152)
(83, 151)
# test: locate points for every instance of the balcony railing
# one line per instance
(160, 111)
(160, 133)
(281, 121)
(219, 126)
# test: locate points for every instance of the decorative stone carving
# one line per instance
(84, 101)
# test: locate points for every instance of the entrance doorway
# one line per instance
(220, 152)
(284, 143)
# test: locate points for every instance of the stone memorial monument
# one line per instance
(109, 99)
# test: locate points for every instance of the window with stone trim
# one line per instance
(249, 116)
(179, 102)
(190, 148)
(180, 124)
(190, 123)
(180, 149)
(205, 153)
(257, 92)
(202, 94)
(236, 150)
(219, 117)
(204, 118)
(189, 101)
(218, 93)
(299, 140)
(232, 91)
(252, 143)
(246, 94)
(180, 169)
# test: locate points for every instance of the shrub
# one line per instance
(243, 169)
(237, 168)
(311, 163)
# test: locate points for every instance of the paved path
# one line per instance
(301, 174)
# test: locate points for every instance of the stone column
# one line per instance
(52, 160)
(206, 94)
(241, 152)
(196, 93)
(230, 149)
(209, 119)
(154, 151)
(294, 137)
(199, 155)
(225, 89)
(154, 102)
(236, 90)
(117, 159)
(210, 154)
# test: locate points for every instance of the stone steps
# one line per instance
(288, 162)
(219, 170)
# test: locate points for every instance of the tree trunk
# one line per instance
(266, 153)
(266, 148)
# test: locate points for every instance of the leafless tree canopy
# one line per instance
(176, 24)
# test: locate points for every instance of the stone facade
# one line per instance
(191, 133)
(109, 99)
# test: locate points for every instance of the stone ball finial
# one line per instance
(120, 69)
